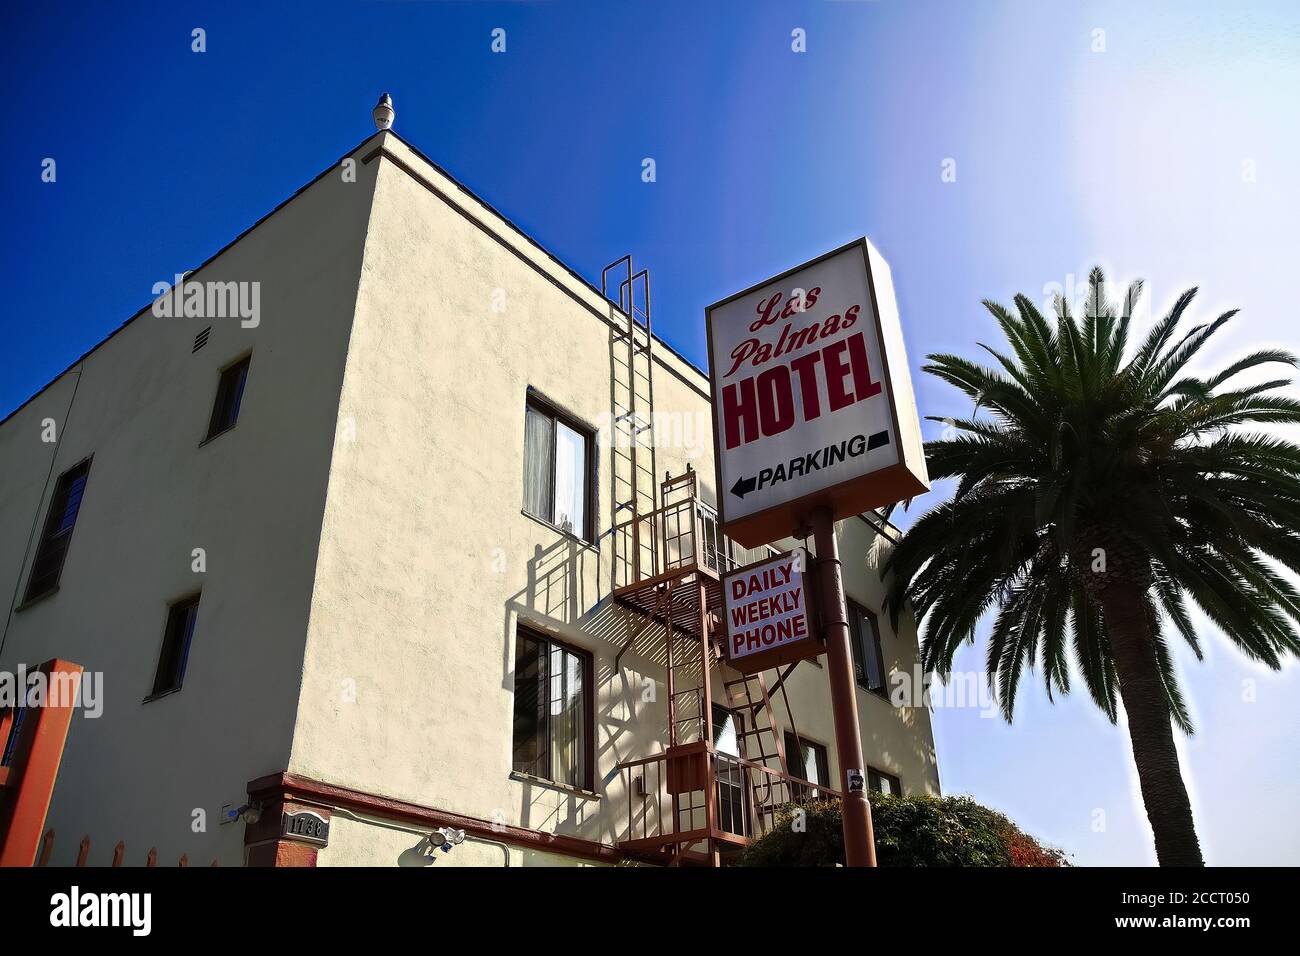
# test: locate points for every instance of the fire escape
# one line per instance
(722, 772)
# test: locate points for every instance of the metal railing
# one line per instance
(746, 797)
(720, 553)
(683, 534)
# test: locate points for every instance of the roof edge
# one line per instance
(210, 259)
(373, 137)
(590, 286)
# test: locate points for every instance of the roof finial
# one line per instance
(383, 112)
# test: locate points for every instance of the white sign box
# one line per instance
(812, 399)
(767, 613)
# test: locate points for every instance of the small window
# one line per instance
(11, 720)
(807, 760)
(181, 617)
(62, 518)
(880, 782)
(864, 642)
(230, 392)
(553, 712)
(557, 470)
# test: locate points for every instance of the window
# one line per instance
(731, 781)
(726, 731)
(230, 392)
(62, 518)
(12, 719)
(864, 641)
(553, 713)
(809, 761)
(717, 547)
(176, 646)
(880, 782)
(557, 470)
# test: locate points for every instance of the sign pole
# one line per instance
(859, 841)
(813, 420)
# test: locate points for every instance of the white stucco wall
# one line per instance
(252, 498)
(368, 560)
(428, 564)
(372, 841)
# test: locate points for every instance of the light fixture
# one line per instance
(444, 838)
(249, 813)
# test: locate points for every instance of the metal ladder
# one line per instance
(741, 699)
(632, 392)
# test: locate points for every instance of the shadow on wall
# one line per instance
(555, 598)
(553, 593)
(417, 855)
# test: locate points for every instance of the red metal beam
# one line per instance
(35, 766)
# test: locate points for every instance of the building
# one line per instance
(377, 548)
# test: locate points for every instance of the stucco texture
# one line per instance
(156, 773)
(427, 563)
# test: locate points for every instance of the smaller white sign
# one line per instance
(767, 610)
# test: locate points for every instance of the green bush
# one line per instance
(910, 831)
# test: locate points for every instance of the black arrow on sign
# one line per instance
(743, 486)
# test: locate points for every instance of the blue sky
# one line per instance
(1164, 146)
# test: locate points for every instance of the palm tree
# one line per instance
(1105, 490)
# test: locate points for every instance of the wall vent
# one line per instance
(201, 339)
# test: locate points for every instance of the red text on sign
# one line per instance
(828, 380)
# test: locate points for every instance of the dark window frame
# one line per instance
(821, 756)
(52, 537)
(9, 743)
(221, 400)
(543, 406)
(588, 781)
(857, 611)
(185, 637)
(874, 776)
(716, 546)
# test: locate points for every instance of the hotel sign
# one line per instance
(812, 399)
(768, 621)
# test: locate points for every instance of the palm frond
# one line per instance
(1074, 441)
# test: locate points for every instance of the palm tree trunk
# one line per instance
(1131, 633)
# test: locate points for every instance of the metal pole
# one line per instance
(859, 842)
